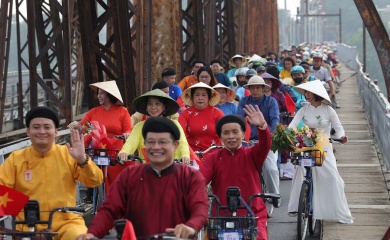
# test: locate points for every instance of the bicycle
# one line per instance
(307, 159)
(32, 218)
(231, 225)
(104, 158)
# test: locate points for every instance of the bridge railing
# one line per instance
(375, 104)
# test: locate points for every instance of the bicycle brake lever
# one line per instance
(119, 161)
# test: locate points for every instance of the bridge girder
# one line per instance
(143, 37)
(379, 36)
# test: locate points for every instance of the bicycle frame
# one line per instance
(309, 180)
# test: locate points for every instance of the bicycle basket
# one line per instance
(308, 158)
(219, 227)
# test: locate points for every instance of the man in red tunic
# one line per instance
(239, 166)
(157, 197)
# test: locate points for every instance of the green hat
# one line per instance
(141, 102)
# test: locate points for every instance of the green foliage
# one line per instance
(280, 138)
(352, 34)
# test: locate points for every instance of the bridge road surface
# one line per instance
(280, 225)
(360, 166)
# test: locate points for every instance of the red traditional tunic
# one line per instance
(117, 121)
(240, 168)
(153, 201)
(199, 126)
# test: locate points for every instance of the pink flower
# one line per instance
(309, 134)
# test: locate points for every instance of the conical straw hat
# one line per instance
(141, 102)
(230, 94)
(186, 95)
(231, 62)
(316, 87)
(110, 87)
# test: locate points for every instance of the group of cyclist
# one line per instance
(172, 122)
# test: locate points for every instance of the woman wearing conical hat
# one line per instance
(113, 116)
(329, 201)
(154, 103)
(199, 120)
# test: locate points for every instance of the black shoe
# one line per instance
(277, 202)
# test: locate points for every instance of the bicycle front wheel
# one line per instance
(303, 211)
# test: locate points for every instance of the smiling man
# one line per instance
(157, 197)
(48, 172)
(235, 165)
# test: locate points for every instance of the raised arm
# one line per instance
(260, 151)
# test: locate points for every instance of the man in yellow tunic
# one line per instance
(48, 172)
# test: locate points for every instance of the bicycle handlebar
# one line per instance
(64, 210)
(213, 197)
(121, 137)
(49, 222)
(263, 195)
(164, 236)
(179, 160)
(130, 158)
(335, 140)
(200, 153)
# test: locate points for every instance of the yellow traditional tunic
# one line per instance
(136, 142)
(52, 181)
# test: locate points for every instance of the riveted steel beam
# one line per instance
(379, 36)
(48, 28)
(193, 35)
(166, 38)
(22, 56)
(144, 35)
(218, 30)
(253, 25)
(110, 58)
(5, 31)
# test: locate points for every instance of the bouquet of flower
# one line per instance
(95, 135)
(298, 139)
(86, 128)
(280, 139)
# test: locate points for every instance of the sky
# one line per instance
(291, 5)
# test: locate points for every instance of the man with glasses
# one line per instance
(157, 197)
